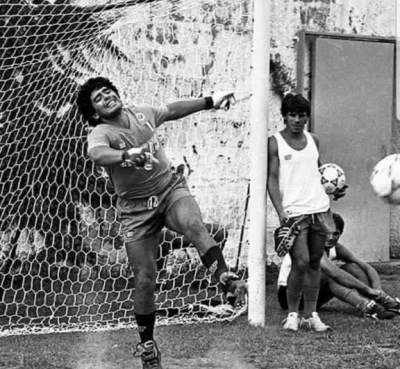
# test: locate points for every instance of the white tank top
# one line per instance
(299, 180)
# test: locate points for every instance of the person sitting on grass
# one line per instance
(355, 282)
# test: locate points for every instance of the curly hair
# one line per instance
(339, 222)
(84, 102)
(295, 103)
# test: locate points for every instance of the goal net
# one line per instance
(63, 265)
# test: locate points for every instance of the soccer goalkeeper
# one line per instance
(149, 194)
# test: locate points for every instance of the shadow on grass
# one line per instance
(354, 342)
(32, 302)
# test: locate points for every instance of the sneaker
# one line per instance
(150, 355)
(395, 307)
(315, 323)
(291, 323)
(389, 303)
(378, 312)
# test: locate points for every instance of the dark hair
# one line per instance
(339, 222)
(83, 97)
(295, 103)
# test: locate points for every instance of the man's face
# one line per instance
(332, 239)
(295, 122)
(106, 103)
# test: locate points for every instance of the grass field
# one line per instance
(355, 342)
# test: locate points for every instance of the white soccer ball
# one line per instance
(385, 179)
(332, 177)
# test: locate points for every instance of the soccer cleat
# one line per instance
(150, 355)
(291, 323)
(233, 289)
(378, 312)
(315, 323)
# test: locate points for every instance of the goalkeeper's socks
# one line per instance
(214, 261)
(145, 323)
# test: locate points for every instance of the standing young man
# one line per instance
(124, 141)
(297, 194)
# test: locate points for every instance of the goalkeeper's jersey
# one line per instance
(128, 181)
(299, 179)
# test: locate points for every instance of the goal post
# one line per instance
(258, 163)
(397, 68)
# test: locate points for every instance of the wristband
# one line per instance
(209, 102)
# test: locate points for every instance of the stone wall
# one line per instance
(204, 45)
(355, 17)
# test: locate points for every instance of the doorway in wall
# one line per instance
(350, 83)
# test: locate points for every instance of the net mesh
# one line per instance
(63, 265)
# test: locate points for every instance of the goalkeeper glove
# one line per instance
(285, 235)
(222, 100)
(140, 157)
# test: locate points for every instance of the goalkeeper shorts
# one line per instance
(144, 218)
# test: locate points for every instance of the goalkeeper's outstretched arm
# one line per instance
(183, 108)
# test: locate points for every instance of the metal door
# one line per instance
(352, 110)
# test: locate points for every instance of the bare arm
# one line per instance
(340, 276)
(104, 155)
(339, 193)
(316, 140)
(273, 177)
(181, 109)
(343, 253)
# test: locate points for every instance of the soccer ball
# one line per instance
(332, 177)
(385, 179)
